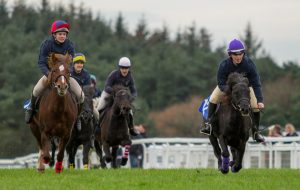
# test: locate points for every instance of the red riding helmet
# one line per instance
(60, 26)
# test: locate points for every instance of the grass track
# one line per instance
(122, 179)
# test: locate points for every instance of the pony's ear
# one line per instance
(51, 60)
(245, 80)
(68, 59)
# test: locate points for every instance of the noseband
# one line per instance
(237, 106)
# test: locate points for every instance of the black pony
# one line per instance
(84, 136)
(114, 126)
(231, 124)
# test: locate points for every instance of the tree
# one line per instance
(252, 43)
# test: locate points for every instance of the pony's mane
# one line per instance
(233, 79)
(55, 58)
(115, 89)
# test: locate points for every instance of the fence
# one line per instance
(193, 153)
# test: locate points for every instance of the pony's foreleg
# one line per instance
(217, 151)
(60, 154)
(239, 160)
(225, 155)
(45, 148)
(125, 155)
(53, 149)
(99, 153)
(106, 149)
(71, 151)
(114, 154)
(86, 151)
(40, 164)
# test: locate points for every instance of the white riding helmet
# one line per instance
(124, 62)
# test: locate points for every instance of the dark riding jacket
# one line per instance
(51, 46)
(83, 78)
(246, 67)
(116, 78)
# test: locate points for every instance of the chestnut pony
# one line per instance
(57, 112)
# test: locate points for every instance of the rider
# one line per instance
(94, 84)
(56, 43)
(121, 76)
(78, 72)
(237, 62)
(81, 75)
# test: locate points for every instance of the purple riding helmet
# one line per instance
(236, 46)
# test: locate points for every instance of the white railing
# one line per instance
(278, 152)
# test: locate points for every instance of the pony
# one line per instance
(114, 127)
(231, 124)
(57, 112)
(85, 136)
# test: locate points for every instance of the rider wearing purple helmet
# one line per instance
(237, 62)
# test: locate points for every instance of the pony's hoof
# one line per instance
(46, 160)
(236, 169)
(108, 159)
(58, 167)
(124, 161)
(41, 170)
(51, 163)
(85, 167)
(224, 171)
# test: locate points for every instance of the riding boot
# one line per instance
(30, 110)
(130, 125)
(207, 128)
(255, 133)
(78, 122)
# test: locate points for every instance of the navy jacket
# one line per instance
(51, 46)
(115, 77)
(83, 78)
(246, 67)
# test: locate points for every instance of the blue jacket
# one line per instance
(83, 78)
(51, 46)
(115, 77)
(247, 67)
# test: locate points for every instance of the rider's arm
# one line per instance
(43, 57)
(222, 76)
(254, 81)
(110, 82)
(133, 88)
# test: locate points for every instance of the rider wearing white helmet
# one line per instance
(121, 76)
(237, 62)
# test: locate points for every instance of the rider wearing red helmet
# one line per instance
(237, 62)
(60, 44)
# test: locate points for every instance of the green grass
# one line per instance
(122, 179)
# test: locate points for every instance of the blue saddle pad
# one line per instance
(204, 108)
(26, 104)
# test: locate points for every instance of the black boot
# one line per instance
(78, 122)
(255, 133)
(207, 129)
(130, 125)
(30, 110)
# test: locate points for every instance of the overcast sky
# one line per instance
(275, 22)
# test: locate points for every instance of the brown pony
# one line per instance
(57, 112)
(114, 127)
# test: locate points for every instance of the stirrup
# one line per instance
(78, 124)
(28, 115)
(257, 138)
(205, 130)
(133, 132)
